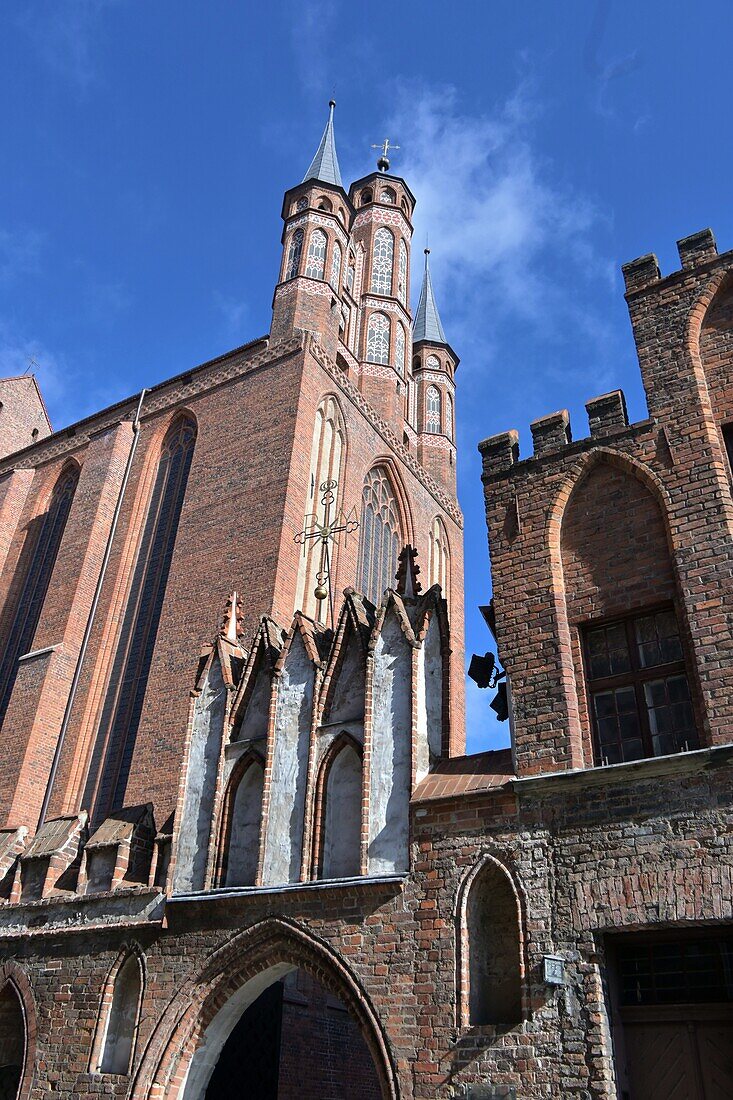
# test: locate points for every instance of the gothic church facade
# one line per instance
(241, 849)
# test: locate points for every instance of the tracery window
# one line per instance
(382, 261)
(449, 425)
(36, 563)
(315, 263)
(432, 362)
(399, 351)
(294, 253)
(380, 535)
(387, 195)
(129, 676)
(432, 406)
(402, 272)
(336, 266)
(327, 449)
(378, 334)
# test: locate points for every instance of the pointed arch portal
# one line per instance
(15, 1041)
(243, 1002)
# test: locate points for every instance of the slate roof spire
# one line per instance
(325, 165)
(427, 319)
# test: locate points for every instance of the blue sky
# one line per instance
(147, 145)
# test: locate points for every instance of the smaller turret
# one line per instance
(317, 215)
(434, 365)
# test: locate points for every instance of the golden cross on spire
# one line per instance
(383, 162)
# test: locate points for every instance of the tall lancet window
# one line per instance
(378, 338)
(382, 261)
(294, 253)
(315, 263)
(439, 557)
(432, 410)
(108, 775)
(37, 559)
(336, 266)
(380, 535)
(327, 449)
(402, 273)
(399, 350)
(449, 425)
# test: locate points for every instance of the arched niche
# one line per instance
(491, 939)
(114, 1044)
(339, 801)
(242, 823)
(716, 350)
(12, 1042)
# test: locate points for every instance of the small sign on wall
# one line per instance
(553, 969)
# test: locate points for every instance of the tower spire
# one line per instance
(325, 165)
(427, 319)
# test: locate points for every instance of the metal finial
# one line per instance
(331, 105)
(383, 161)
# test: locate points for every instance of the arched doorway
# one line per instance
(296, 1041)
(12, 1042)
(184, 1050)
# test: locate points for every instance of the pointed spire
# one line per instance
(427, 319)
(325, 165)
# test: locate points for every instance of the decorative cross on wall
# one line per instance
(327, 530)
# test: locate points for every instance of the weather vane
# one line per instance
(383, 162)
(327, 530)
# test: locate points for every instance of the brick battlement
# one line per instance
(697, 250)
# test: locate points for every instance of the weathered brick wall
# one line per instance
(647, 845)
(23, 418)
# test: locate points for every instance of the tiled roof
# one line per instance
(462, 775)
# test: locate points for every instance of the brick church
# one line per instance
(242, 850)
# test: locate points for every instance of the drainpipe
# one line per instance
(92, 613)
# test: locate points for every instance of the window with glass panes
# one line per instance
(639, 695)
(694, 970)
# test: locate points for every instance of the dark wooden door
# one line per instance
(680, 1052)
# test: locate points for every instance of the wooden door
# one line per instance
(680, 1052)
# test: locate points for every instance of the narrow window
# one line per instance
(119, 1040)
(36, 563)
(129, 677)
(399, 351)
(382, 260)
(449, 426)
(728, 441)
(244, 814)
(338, 829)
(439, 557)
(638, 691)
(402, 273)
(316, 259)
(432, 410)
(336, 266)
(380, 535)
(350, 273)
(378, 338)
(493, 973)
(294, 253)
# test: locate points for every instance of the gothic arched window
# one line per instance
(399, 351)
(315, 263)
(439, 557)
(329, 439)
(432, 362)
(350, 271)
(336, 266)
(402, 272)
(378, 338)
(338, 797)
(432, 410)
(129, 677)
(35, 566)
(242, 820)
(294, 253)
(449, 425)
(382, 260)
(121, 1025)
(380, 535)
